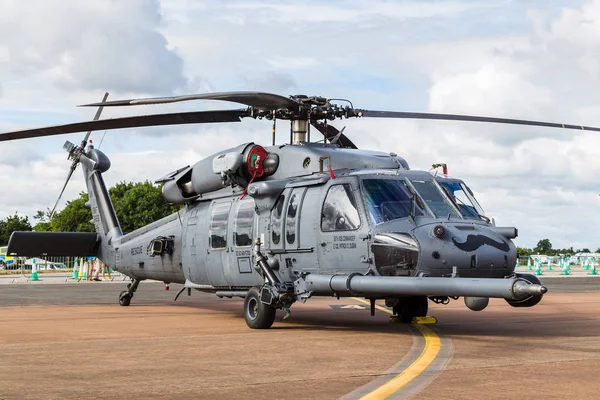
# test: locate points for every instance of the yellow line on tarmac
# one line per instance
(429, 353)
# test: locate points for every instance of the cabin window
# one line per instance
(290, 220)
(242, 231)
(218, 225)
(276, 220)
(340, 212)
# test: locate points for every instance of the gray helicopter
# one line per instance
(286, 222)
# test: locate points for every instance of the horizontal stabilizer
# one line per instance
(53, 244)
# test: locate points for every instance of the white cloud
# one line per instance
(93, 45)
(357, 11)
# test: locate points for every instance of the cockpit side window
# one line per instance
(340, 212)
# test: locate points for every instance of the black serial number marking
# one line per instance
(136, 250)
(338, 246)
(344, 238)
(344, 242)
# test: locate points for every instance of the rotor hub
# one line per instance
(309, 108)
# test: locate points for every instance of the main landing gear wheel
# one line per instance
(257, 314)
(410, 307)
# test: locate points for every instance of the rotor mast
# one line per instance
(299, 130)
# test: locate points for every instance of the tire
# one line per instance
(410, 307)
(531, 278)
(530, 301)
(257, 314)
(124, 299)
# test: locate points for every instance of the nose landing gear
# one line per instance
(408, 308)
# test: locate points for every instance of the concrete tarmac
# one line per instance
(72, 341)
(551, 351)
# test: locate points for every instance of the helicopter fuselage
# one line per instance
(320, 225)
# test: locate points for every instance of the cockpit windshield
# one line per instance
(434, 198)
(389, 199)
(463, 197)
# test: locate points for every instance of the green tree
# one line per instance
(567, 252)
(75, 217)
(524, 252)
(10, 224)
(118, 191)
(543, 247)
(138, 204)
(43, 224)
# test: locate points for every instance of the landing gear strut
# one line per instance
(262, 302)
(409, 307)
(126, 295)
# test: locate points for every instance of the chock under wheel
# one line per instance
(424, 320)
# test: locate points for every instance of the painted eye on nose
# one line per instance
(439, 231)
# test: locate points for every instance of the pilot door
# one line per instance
(342, 231)
(285, 221)
(292, 239)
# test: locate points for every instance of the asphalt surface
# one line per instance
(88, 293)
(72, 341)
(571, 284)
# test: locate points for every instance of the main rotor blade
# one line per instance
(330, 131)
(195, 117)
(267, 101)
(73, 166)
(458, 117)
(96, 118)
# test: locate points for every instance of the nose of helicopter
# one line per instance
(476, 251)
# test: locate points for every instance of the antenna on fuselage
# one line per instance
(274, 126)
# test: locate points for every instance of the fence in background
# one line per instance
(76, 268)
(43, 263)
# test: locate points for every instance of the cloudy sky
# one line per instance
(521, 59)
